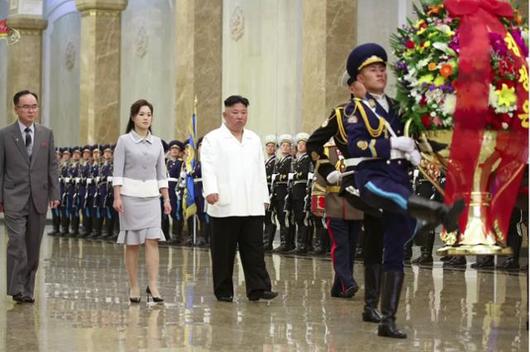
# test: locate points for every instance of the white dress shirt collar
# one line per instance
(23, 128)
(229, 133)
(138, 139)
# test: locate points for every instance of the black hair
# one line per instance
(17, 96)
(135, 109)
(236, 99)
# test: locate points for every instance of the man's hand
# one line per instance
(414, 157)
(405, 144)
(54, 204)
(212, 198)
(358, 90)
(334, 177)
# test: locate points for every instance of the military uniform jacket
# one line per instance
(301, 168)
(369, 138)
(282, 169)
(269, 170)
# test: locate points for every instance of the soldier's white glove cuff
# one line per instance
(405, 144)
(414, 157)
(334, 177)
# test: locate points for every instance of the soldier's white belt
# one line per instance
(300, 181)
(172, 179)
(197, 180)
(356, 161)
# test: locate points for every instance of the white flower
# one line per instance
(443, 47)
(504, 125)
(434, 96)
(449, 104)
(424, 62)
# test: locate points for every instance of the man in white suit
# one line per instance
(28, 185)
(235, 186)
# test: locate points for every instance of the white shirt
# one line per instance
(236, 171)
(381, 99)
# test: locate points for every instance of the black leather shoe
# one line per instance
(18, 298)
(347, 293)
(372, 315)
(423, 259)
(28, 299)
(267, 295)
(225, 298)
(485, 262)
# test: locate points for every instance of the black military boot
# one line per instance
(176, 231)
(408, 252)
(391, 291)
(435, 213)
(456, 261)
(56, 223)
(86, 226)
(74, 228)
(65, 224)
(284, 233)
(300, 241)
(372, 291)
(426, 249)
(97, 225)
(484, 262)
(515, 240)
(268, 236)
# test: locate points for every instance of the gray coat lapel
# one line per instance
(36, 143)
(19, 141)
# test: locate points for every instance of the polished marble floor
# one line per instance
(82, 306)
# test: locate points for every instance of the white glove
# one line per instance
(334, 177)
(405, 144)
(414, 157)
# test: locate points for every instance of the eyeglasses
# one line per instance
(28, 107)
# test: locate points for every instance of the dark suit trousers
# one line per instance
(228, 234)
(24, 230)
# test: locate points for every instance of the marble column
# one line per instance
(24, 58)
(329, 34)
(199, 64)
(99, 119)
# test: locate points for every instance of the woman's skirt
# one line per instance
(141, 219)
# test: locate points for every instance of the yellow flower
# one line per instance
(419, 23)
(427, 44)
(432, 66)
(440, 80)
(506, 96)
(426, 79)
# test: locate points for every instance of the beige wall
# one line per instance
(64, 79)
(264, 64)
(147, 62)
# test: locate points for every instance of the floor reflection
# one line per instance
(82, 305)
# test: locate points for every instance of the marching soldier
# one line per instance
(282, 169)
(174, 167)
(269, 221)
(382, 157)
(303, 173)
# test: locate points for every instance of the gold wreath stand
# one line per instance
(476, 238)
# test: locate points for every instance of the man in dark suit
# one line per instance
(29, 182)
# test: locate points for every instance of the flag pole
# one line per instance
(195, 102)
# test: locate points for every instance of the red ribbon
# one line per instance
(478, 18)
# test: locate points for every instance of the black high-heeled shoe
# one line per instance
(134, 299)
(154, 298)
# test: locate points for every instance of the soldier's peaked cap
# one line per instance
(362, 56)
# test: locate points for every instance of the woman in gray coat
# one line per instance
(139, 178)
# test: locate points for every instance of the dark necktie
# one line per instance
(28, 140)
